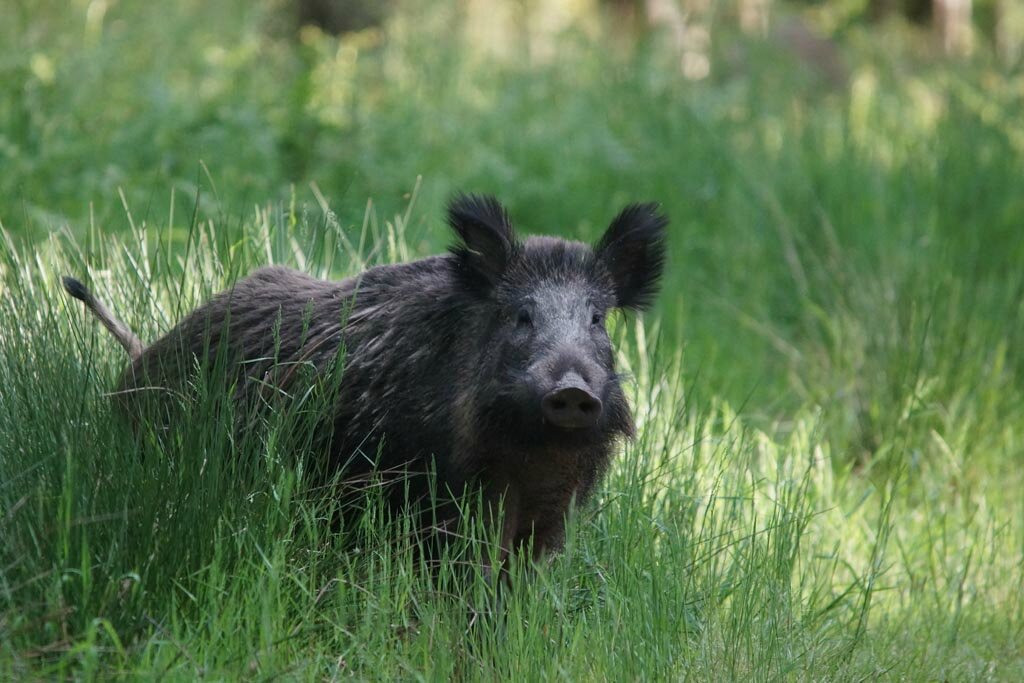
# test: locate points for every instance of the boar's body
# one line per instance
(487, 366)
(392, 327)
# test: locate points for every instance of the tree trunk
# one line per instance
(952, 19)
(880, 9)
(1010, 31)
(754, 16)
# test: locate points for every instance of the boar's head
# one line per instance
(545, 374)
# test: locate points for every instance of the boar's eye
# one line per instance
(524, 318)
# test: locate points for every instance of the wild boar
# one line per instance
(489, 366)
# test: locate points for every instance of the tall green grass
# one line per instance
(715, 550)
(826, 482)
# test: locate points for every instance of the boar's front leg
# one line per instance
(546, 538)
(501, 512)
(503, 507)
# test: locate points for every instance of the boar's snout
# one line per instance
(571, 404)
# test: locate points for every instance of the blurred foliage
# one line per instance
(102, 95)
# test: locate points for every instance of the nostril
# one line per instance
(571, 407)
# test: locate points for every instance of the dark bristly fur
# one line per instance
(446, 359)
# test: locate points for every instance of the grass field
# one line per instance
(827, 480)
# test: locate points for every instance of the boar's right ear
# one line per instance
(632, 249)
(487, 242)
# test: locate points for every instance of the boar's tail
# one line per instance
(124, 336)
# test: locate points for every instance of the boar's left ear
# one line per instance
(487, 241)
(633, 251)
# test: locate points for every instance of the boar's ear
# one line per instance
(487, 243)
(633, 251)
